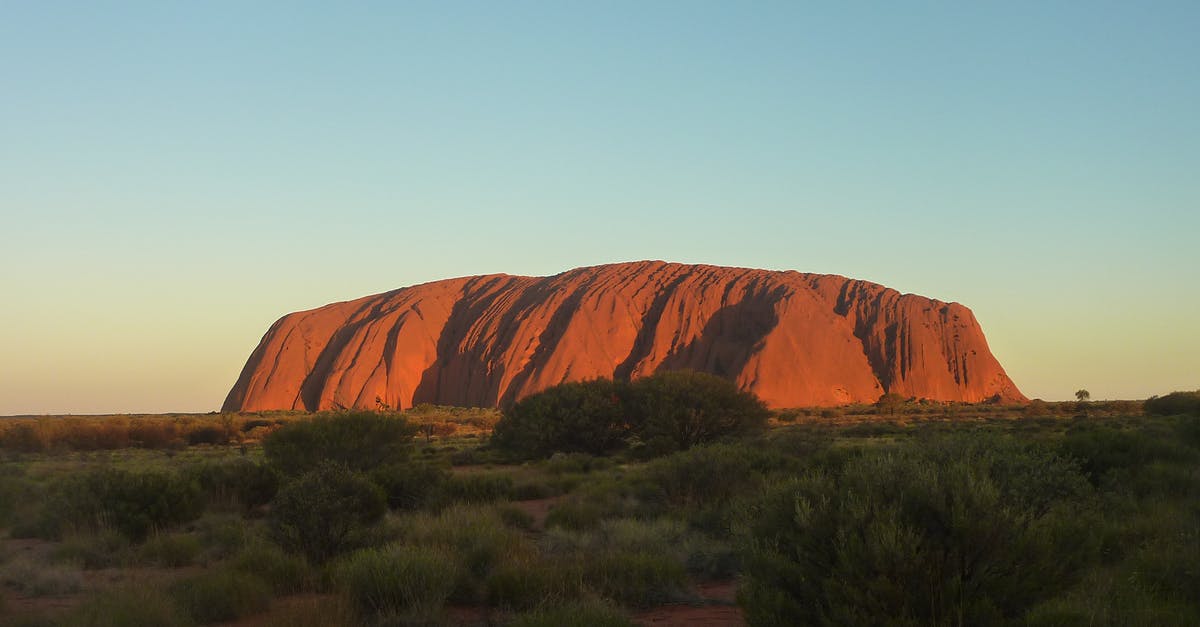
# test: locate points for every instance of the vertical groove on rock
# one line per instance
(796, 339)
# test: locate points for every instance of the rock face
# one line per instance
(793, 339)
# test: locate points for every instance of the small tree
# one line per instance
(891, 402)
(580, 417)
(947, 532)
(359, 440)
(689, 408)
(1083, 395)
(325, 511)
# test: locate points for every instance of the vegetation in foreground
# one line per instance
(920, 514)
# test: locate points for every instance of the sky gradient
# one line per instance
(175, 178)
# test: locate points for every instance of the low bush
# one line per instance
(284, 573)
(1103, 449)
(103, 548)
(171, 550)
(662, 413)
(1174, 403)
(690, 408)
(584, 416)
(952, 531)
(476, 534)
(360, 441)
(640, 563)
(473, 489)
(129, 606)
(581, 613)
(221, 595)
(400, 583)
(409, 486)
(132, 503)
(562, 463)
(38, 580)
(640, 579)
(221, 534)
(239, 481)
(325, 512)
(530, 583)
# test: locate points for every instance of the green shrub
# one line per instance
(221, 595)
(562, 463)
(171, 550)
(38, 580)
(399, 582)
(515, 517)
(132, 503)
(640, 579)
(130, 606)
(529, 583)
(473, 488)
(360, 441)
(1174, 403)
(325, 511)
(577, 514)
(283, 572)
(409, 486)
(1101, 450)
(584, 416)
(690, 408)
(665, 412)
(207, 434)
(221, 534)
(581, 613)
(636, 562)
(239, 480)
(476, 534)
(952, 531)
(102, 548)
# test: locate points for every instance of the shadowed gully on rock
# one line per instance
(794, 339)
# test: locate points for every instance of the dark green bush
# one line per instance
(285, 573)
(133, 503)
(950, 532)
(581, 613)
(208, 434)
(251, 485)
(103, 548)
(690, 408)
(361, 441)
(399, 582)
(585, 417)
(1174, 403)
(473, 488)
(325, 511)
(131, 606)
(221, 595)
(527, 584)
(1102, 449)
(409, 486)
(640, 579)
(663, 413)
(171, 550)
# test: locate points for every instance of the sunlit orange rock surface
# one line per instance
(793, 339)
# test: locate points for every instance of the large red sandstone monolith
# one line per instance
(793, 339)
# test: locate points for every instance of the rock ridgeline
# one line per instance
(793, 339)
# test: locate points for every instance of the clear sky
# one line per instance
(176, 176)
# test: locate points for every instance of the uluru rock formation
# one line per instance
(793, 339)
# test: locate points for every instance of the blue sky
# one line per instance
(175, 178)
